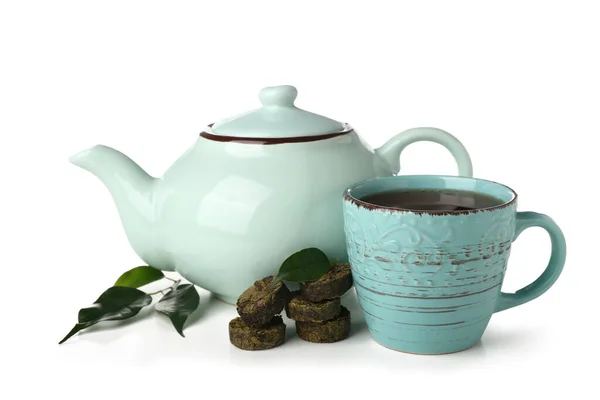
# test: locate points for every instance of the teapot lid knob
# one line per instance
(282, 96)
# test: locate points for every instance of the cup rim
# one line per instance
(348, 196)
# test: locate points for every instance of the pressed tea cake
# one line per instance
(260, 302)
(332, 285)
(266, 337)
(300, 309)
(325, 332)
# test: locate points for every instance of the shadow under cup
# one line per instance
(428, 282)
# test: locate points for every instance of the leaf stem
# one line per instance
(167, 289)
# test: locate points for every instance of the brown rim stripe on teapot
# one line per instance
(251, 140)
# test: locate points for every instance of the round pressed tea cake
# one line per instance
(332, 285)
(266, 337)
(260, 302)
(325, 332)
(300, 309)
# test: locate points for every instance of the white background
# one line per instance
(517, 82)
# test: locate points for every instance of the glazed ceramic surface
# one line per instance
(249, 192)
(428, 282)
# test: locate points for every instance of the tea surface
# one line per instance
(433, 200)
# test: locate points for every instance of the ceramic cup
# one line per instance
(428, 282)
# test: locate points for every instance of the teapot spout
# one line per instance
(132, 190)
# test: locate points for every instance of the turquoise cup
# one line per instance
(428, 282)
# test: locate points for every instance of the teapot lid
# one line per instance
(277, 118)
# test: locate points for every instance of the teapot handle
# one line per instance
(392, 149)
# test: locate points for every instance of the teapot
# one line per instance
(252, 190)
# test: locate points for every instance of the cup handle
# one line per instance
(392, 149)
(553, 270)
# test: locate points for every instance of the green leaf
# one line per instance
(139, 276)
(303, 266)
(116, 303)
(178, 304)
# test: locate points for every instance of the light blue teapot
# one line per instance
(250, 191)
